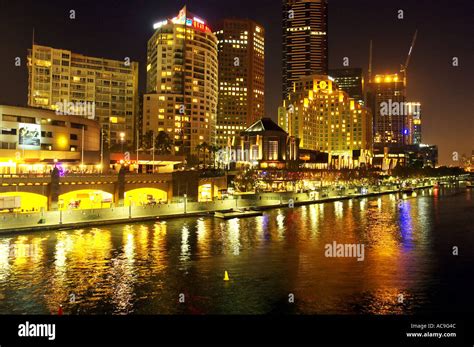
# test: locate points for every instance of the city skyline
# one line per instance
(296, 163)
(425, 69)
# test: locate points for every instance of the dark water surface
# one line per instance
(409, 266)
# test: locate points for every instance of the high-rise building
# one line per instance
(413, 123)
(386, 96)
(241, 77)
(326, 119)
(70, 83)
(305, 40)
(182, 74)
(351, 81)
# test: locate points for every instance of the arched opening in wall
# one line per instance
(85, 199)
(145, 196)
(22, 202)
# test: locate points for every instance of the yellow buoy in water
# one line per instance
(226, 276)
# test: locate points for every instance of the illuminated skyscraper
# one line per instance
(241, 77)
(59, 78)
(413, 123)
(326, 119)
(386, 96)
(305, 40)
(182, 85)
(351, 81)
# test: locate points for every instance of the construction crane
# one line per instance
(404, 68)
(370, 62)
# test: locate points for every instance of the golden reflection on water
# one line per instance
(111, 269)
(159, 246)
(233, 236)
(185, 248)
(338, 209)
(4, 258)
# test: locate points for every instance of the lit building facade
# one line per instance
(62, 80)
(265, 145)
(305, 40)
(326, 119)
(351, 81)
(241, 58)
(386, 97)
(413, 123)
(182, 75)
(414, 155)
(34, 140)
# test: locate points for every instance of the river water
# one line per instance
(151, 268)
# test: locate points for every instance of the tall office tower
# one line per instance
(413, 123)
(351, 81)
(182, 85)
(72, 83)
(326, 119)
(305, 40)
(241, 77)
(386, 95)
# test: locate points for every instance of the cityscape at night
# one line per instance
(306, 160)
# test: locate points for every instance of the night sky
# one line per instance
(118, 29)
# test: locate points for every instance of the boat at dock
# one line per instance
(237, 213)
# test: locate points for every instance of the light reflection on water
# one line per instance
(142, 268)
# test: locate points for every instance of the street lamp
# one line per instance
(122, 139)
(101, 150)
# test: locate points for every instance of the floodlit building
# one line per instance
(35, 140)
(241, 45)
(386, 97)
(182, 75)
(96, 88)
(413, 123)
(305, 40)
(326, 119)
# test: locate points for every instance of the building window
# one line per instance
(273, 150)
(255, 151)
(6, 131)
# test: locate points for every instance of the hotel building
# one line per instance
(182, 75)
(108, 89)
(326, 119)
(241, 77)
(305, 40)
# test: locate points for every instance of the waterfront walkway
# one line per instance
(51, 220)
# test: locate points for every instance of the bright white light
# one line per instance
(159, 24)
(199, 20)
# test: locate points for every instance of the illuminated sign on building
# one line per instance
(29, 136)
(200, 26)
(181, 19)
